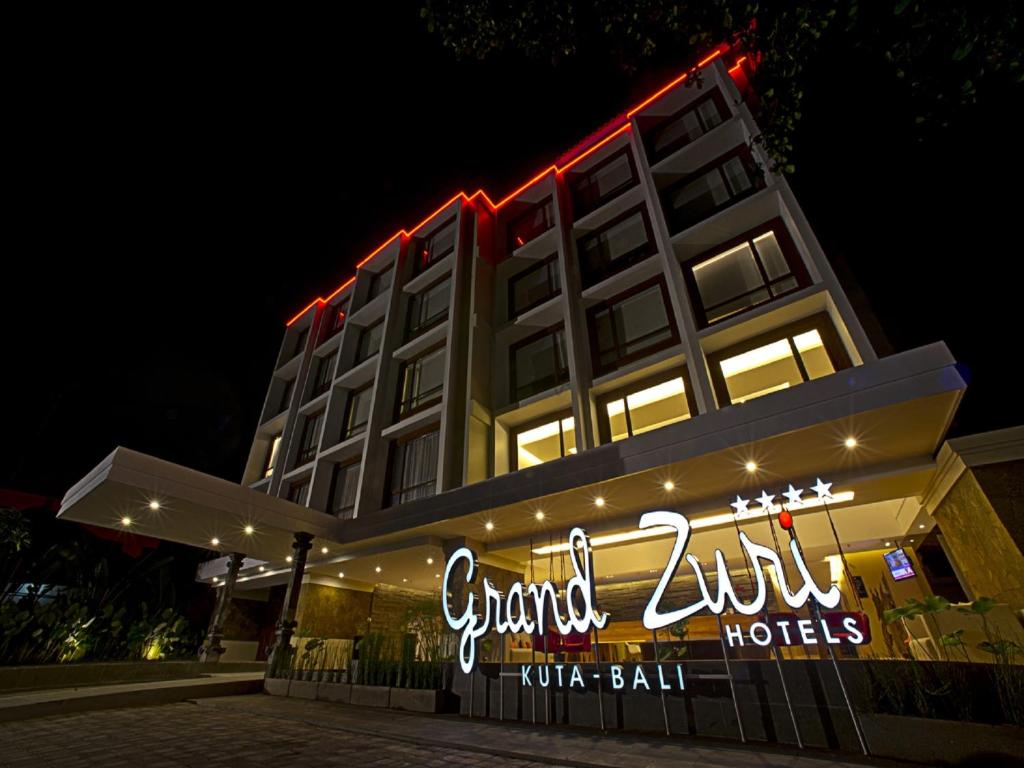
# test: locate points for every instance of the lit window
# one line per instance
(646, 409)
(745, 275)
(357, 412)
(770, 367)
(422, 381)
(343, 490)
(268, 465)
(414, 468)
(546, 442)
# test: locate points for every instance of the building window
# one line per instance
(298, 491)
(644, 406)
(357, 412)
(429, 308)
(369, 342)
(538, 363)
(435, 246)
(286, 396)
(774, 361)
(337, 318)
(624, 241)
(533, 286)
(310, 440)
(271, 460)
(697, 196)
(300, 341)
(749, 271)
(324, 374)
(534, 222)
(414, 467)
(593, 188)
(344, 482)
(690, 123)
(422, 381)
(546, 441)
(630, 326)
(379, 283)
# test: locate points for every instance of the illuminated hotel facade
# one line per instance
(649, 324)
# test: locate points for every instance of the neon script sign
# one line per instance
(512, 612)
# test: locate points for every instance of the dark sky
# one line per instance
(180, 191)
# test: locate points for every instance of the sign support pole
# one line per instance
(732, 683)
(657, 662)
(600, 680)
(501, 677)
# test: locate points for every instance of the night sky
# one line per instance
(178, 193)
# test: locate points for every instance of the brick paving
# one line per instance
(187, 734)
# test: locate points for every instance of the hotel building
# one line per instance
(649, 324)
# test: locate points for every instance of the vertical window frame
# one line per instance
(551, 330)
(580, 210)
(608, 305)
(621, 393)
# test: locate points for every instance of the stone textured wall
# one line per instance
(391, 604)
(332, 611)
(988, 555)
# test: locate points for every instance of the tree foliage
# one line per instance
(941, 50)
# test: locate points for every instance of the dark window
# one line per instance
(272, 451)
(422, 381)
(344, 483)
(434, 247)
(299, 491)
(369, 342)
(644, 406)
(338, 315)
(592, 188)
(750, 270)
(310, 437)
(414, 467)
(695, 197)
(544, 440)
(324, 374)
(538, 363)
(622, 242)
(686, 125)
(537, 220)
(630, 326)
(286, 396)
(533, 286)
(300, 341)
(379, 283)
(429, 308)
(357, 412)
(777, 360)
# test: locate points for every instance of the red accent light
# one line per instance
(626, 126)
(785, 519)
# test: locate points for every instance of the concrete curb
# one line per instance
(62, 702)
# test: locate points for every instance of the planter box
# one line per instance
(276, 686)
(417, 700)
(941, 742)
(370, 695)
(303, 689)
(339, 693)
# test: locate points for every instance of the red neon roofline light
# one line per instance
(585, 152)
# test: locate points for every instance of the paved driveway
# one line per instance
(190, 734)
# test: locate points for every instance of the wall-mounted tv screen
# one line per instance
(899, 565)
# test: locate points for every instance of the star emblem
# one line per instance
(793, 494)
(765, 500)
(824, 490)
(740, 505)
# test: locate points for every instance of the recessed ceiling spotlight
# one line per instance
(341, 575)
(430, 561)
(751, 466)
(288, 559)
(539, 515)
(249, 530)
(126, 521)
(154, 505)
(323, 550)
(215, 541)
(489, 525)
(261, 569)
(850, 442)
(377, 569)
(669, 485)
(599, 501)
